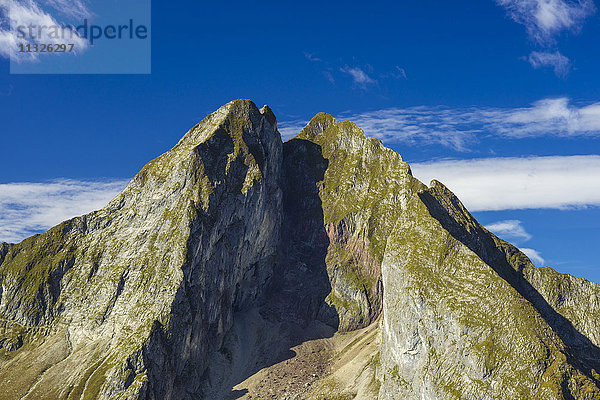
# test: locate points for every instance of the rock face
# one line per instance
(467, 315)
(232, 248)
(128, 301)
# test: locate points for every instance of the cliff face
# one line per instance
(232, 248)
(465, 314)
(358, 193)
(463, 317)
(129, 300)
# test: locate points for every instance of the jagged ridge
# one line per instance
(231, 236)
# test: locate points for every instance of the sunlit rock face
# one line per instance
(133, 297)
(233, 247)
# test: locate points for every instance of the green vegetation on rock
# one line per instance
(139, 300)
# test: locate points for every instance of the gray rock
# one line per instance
(232, 248)
(142, 290)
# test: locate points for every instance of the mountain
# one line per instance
(237, 266)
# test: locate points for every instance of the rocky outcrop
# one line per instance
(231, 249)
(461, 319)
(3, 250)
(129, 300)
(359, 192)
(465, 314)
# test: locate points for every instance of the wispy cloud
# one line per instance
(329, 76)
(544, 19)
(324, 66)
(400, 73)
(513, 230)
(70, 8)
(289, 129)
(549, 117)
(534, 255)
(510, 229)
(362, 77)
(417, 124)
(492, 184)
(28, 208)
(311, 57)
(459, 128)
(26, 13)
(358, 75)
(555, 60)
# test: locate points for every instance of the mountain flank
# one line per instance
(237, 266)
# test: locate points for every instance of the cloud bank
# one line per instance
(28, 208)
(492, 184)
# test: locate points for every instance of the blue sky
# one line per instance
(510, 84)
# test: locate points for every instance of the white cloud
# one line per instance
(510, 229)
(25, 13)
(534, 255)
(544, 19)
(458, 128)
(518, 183)
(560, 63)
(28, 208)
(549, 117)
(359, 77)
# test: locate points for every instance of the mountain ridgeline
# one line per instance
(237, 266)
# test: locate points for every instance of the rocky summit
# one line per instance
(235, 266)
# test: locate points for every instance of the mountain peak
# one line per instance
(316, 126)
(236, 113)
(269, 115)
(233, 248)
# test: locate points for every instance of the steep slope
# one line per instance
(127, 301)
(235, 266)
(465, 314)
(462, 321)
(359, 193)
